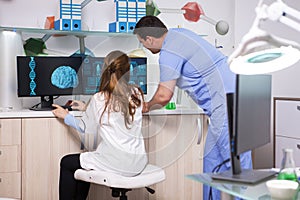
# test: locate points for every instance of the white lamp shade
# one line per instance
(265, 61)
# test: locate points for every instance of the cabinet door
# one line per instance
(287, 118)
(10, 185)
(10, 145)
(287, 128)
(173, 145)
(10, 158)
(285, 142)
(44, 142)
(10, 132)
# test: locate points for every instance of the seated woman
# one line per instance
(114, 114)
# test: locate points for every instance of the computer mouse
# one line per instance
(64, 107)
(67, 107)
(69, 103)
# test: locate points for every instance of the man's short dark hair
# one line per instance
(150, 26)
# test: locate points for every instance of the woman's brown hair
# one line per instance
(119, 94)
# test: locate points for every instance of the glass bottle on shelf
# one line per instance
(287, 170)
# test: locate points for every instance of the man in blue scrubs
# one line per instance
(188, 61)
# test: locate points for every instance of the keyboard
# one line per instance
(51, 108)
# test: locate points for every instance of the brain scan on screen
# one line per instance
(64, 77)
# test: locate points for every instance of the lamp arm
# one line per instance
(261, 59)
(290, 23)
(253, 39)
(277, 41)
(243, 48)
(257, 39)
(279, 11)
(291, 11)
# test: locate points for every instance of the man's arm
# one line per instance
(161, 97)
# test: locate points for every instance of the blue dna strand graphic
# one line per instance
(64, 77)
(32, 75)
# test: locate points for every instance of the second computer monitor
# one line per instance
(92, 68)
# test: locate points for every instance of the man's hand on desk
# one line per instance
(145, 107)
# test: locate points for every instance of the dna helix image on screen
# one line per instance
(32, 76)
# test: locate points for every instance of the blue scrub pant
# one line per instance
(214, 158)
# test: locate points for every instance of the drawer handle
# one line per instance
(0, 153)
(298, 146)
(0, 180)
(199, 124)
(298, 107)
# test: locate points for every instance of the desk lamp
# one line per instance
(251, 55)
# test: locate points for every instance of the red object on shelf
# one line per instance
(49, 23)
(192, 11)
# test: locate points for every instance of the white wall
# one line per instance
(97, 15)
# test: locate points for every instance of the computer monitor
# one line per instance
(92, 68)
(138, 72)
(249, 118)
(91, 73)
(48, 76)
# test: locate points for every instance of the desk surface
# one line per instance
(26, 113)
(245, 191)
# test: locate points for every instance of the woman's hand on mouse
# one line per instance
(59, 111)
(78, 105)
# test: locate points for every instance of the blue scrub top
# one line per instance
(202, 71)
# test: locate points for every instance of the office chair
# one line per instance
(120, 184)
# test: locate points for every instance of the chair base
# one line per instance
(119, 192)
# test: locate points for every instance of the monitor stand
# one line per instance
(237, 174)
(46, 104)
(249, 176)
